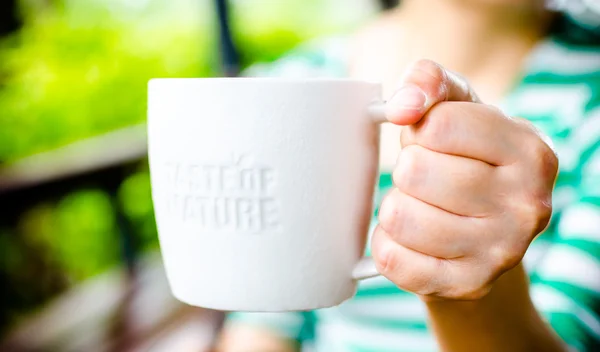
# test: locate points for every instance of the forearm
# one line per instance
(504, 320)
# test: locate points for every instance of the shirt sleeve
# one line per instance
(566, 282)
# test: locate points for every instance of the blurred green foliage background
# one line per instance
(77, 69)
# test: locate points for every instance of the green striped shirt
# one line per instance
(559, 91)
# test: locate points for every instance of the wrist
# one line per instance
(511, 286)
(503, 320)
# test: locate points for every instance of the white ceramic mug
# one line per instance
(263, 189)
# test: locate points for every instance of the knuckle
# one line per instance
(407, 136)
(409, 169)
(422, 288)
(469, 293)
(431, 285)
(535, 212)
(418, 282)
(469, 283)
(384, 264)
(504, 258)
(391, 263)
(386, 259)
(546, 160)
(437, 125)
(389, 213)
(539, 171)
(539, 151)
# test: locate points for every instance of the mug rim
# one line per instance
(267, 80)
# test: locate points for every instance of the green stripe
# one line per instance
(568, 178)
(591, 79)
(385, 180)
(587, 154)
(560, 134)
(548, 236)
(583, 244)
(392, 324)
(571, 37)
(380, 291)
(385, 184)
(594, 101)
(570, 329)
(579, 294)
(591, 198)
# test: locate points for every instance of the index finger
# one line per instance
(476, 131)
(425, 84)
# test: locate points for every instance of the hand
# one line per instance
(473, 188)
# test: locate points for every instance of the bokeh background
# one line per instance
(79, 262)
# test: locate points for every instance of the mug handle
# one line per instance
(365, 268)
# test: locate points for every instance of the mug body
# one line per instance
(262, 188)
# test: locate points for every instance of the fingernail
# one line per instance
(409, 97)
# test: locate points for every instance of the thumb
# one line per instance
(425, 84)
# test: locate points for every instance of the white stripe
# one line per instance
(586, 134)
(557, 59)
(573, 266)
(585, 13)
(535, 254)
(567, 155)
(549, 300)
(563, 196)
(399, 308)
(566, 101)
(288, 323)
(593, 165)
(581, 222)
(338, 335)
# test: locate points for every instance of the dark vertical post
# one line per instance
(8, 16)
(229, 55)
(121, 329)
(388, 4)
(230, 61)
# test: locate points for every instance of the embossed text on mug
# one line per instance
(235, 195)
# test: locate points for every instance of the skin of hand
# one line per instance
(473, 188)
